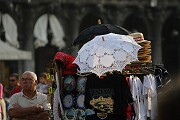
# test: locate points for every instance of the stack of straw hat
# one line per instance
(144, 54)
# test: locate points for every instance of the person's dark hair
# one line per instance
(43, 75)
(16, 75)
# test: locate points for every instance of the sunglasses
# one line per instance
(12, 80)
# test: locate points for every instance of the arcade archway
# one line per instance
(135, 23)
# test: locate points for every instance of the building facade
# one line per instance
(39, 20)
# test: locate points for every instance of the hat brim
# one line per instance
(145, 43)
(142, 50)
(146, 58)
(137, 36)
(144, 54)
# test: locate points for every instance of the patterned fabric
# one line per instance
(106, 53)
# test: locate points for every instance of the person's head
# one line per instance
(14, 80)
(42, 78)
(28, 81)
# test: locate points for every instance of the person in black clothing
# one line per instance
(112, 88)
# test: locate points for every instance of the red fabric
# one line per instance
(68, 66)
(128, 111)
(140, 38)
(15, 90)
(127, 79)
(129, 108)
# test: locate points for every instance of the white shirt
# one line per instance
(42, 88)
(150, 90)
(137, 93)
(24, 101)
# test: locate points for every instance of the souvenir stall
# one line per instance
(62, 74)
(102, 81)
(145, 79)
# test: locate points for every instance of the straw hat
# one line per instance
(144, 43)
(142, 54)
(137, 36)
(144, 50)
(146, 58)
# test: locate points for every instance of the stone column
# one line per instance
(156, 30)
(28, 39)
(73, 32)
